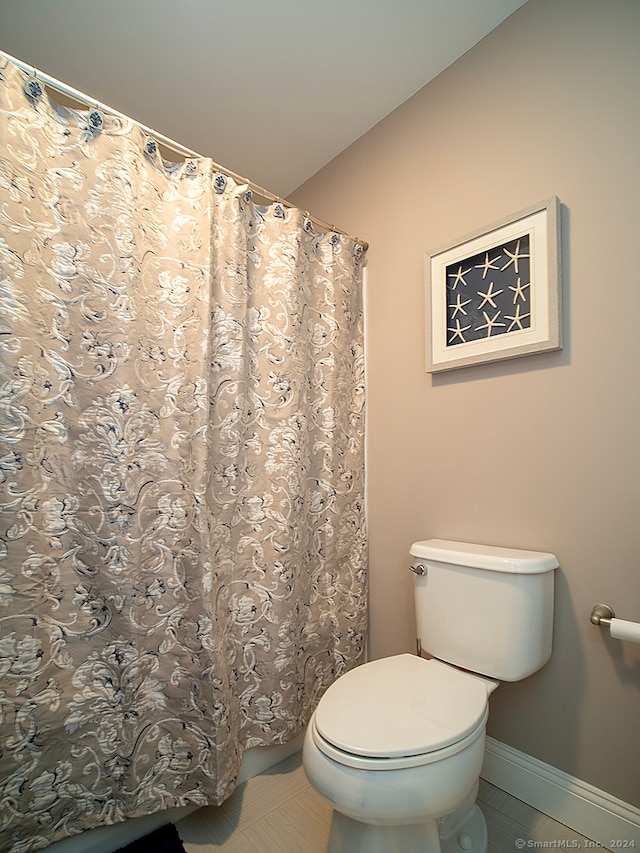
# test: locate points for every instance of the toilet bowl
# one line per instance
(396, 745)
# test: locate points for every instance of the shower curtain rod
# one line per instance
(177, 147)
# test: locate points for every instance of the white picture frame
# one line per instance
(496, 293)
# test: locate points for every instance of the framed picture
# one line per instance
(495, 294)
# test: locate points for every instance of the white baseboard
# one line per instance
(614, 825)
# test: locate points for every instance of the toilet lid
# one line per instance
(401, 705)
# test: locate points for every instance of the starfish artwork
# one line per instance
(498, 279)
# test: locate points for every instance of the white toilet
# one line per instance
(396, 745)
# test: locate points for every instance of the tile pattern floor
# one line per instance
(279, 812)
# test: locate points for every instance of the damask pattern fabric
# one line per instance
(182, 537)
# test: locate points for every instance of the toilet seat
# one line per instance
(401, 711)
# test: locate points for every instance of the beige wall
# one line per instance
(541, 452)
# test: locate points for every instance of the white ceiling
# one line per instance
(270, 89)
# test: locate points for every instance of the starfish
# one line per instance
(490, 323)
(458, 277)
(514, 257)
(519, 290)
(488, 264)
(489, 296)
(458, 332)
(459, 306)
(516, 319)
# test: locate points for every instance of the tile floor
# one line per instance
(279, 812)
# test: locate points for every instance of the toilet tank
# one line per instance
(484, 608)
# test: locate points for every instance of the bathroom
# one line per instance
(538, 452)
(535, 452)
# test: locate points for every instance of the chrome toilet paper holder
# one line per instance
(619, 629)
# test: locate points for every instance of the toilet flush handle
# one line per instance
(418, 569)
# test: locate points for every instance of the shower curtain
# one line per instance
(182, 538)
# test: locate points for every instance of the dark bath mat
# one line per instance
(165, 839)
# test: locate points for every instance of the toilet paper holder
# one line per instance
(602, 614)
(619, 629)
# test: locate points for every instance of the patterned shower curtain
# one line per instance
(182, 539)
